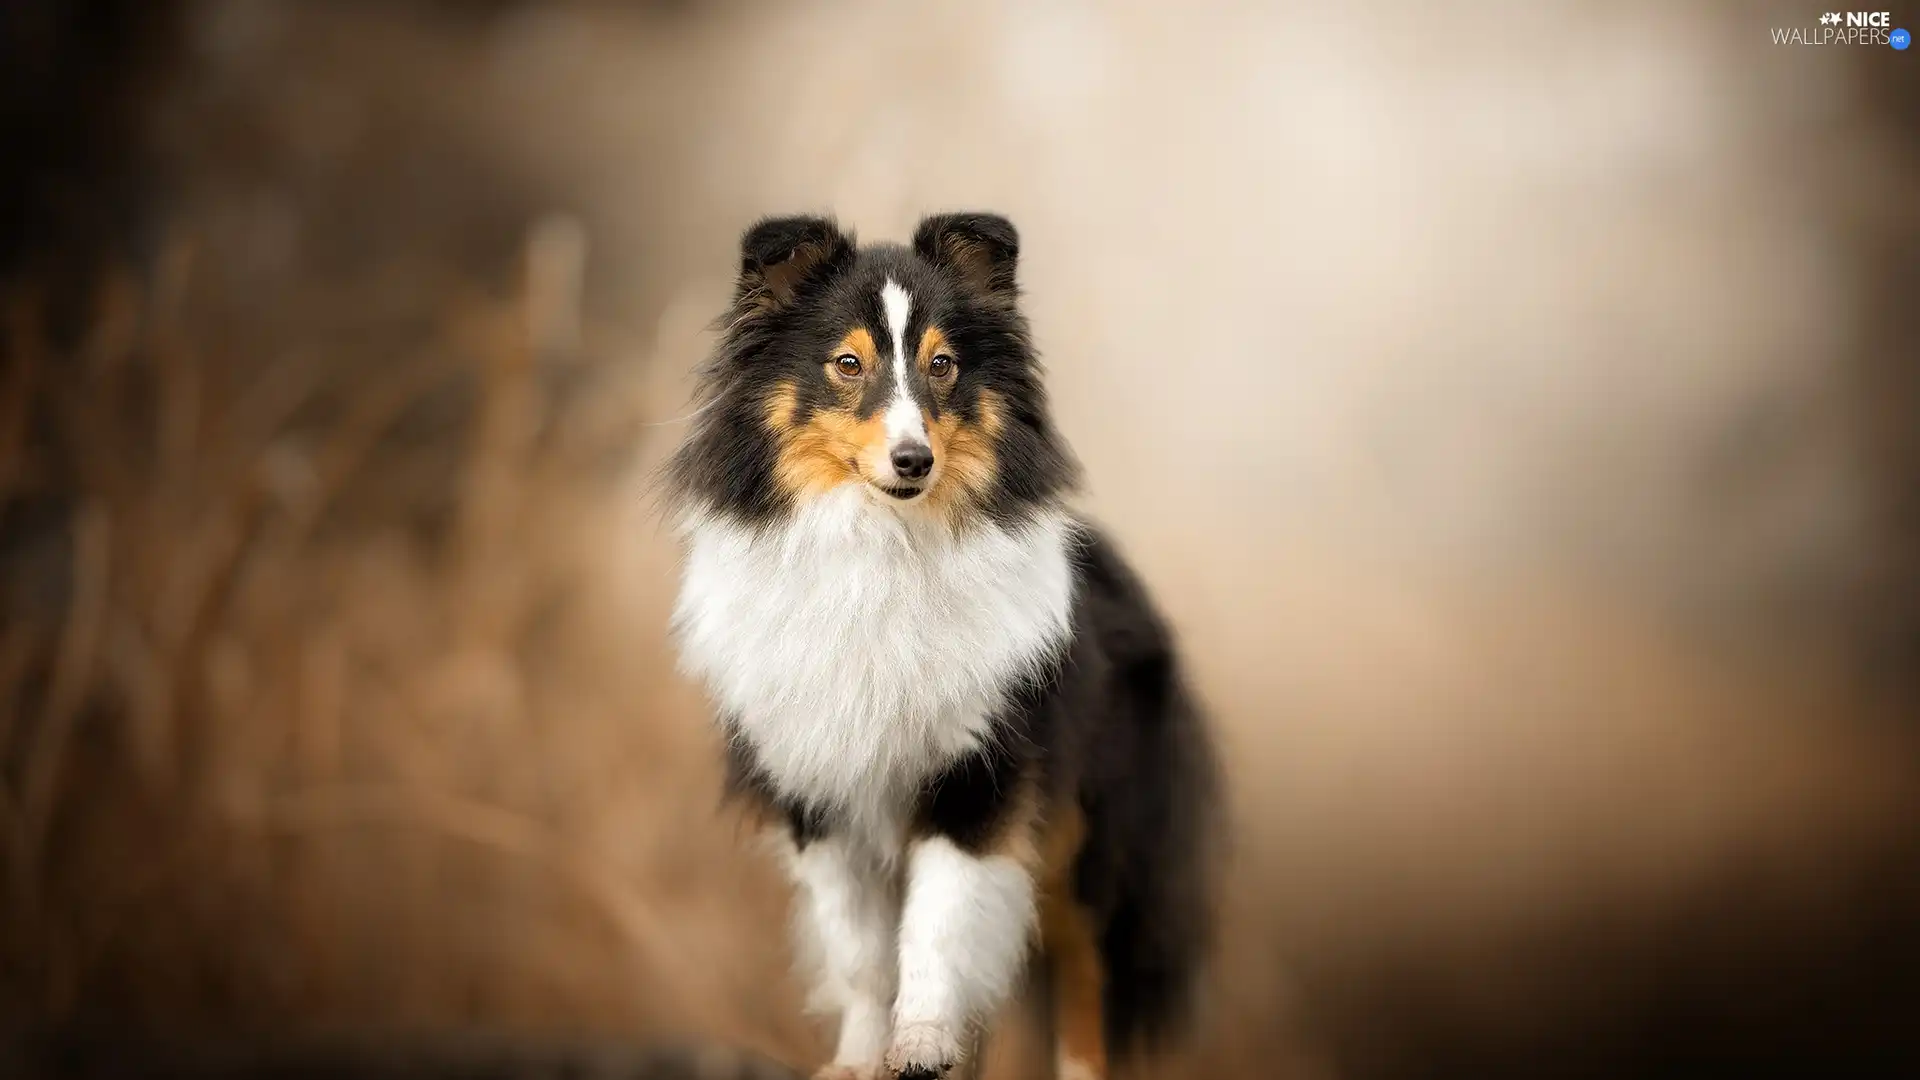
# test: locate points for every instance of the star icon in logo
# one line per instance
(1831, 18)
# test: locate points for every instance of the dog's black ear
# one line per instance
(981, 248)
(779, 256)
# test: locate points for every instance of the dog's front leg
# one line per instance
(965, 929)
(849, 909)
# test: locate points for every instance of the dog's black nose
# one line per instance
(913, 460)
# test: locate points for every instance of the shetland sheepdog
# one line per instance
(945, 694)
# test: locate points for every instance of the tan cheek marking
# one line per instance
(827, 450)
(965, 454)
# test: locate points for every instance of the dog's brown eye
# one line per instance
(848, 365)
(941, 367)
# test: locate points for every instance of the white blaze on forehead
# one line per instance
(904, 421)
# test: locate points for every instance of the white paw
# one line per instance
(922, 1052)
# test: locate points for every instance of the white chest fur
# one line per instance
(860, 649)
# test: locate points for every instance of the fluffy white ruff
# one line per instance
(861, 647)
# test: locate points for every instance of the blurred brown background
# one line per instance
(1515, 408)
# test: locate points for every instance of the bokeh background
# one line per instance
(1515, 407)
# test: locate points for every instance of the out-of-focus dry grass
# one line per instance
(1528, 535)
(288, 650)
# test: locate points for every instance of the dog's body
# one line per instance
(953, 698)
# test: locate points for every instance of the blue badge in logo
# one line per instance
(1899, 39)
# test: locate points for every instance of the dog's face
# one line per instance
(904, 371)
